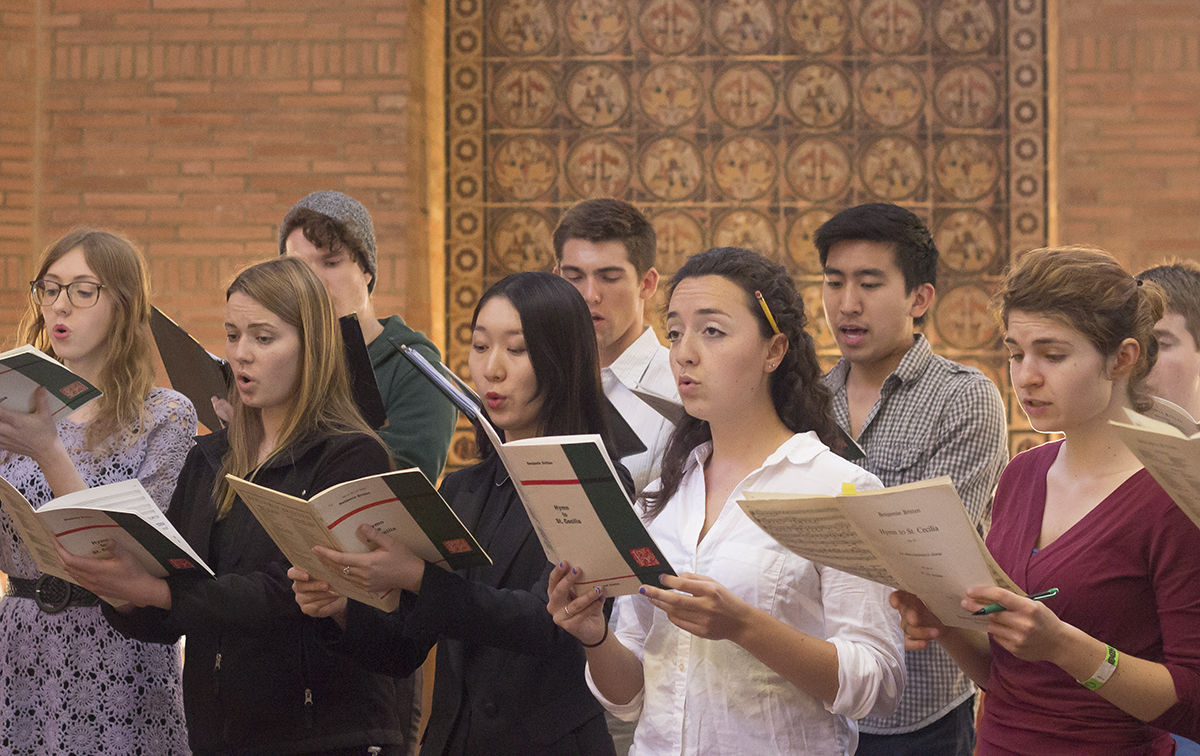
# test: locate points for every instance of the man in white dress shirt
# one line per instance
(606, 249)
(1176, 373)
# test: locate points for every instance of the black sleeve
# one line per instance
(260, 602)
(454, 607)
(380, 641)
(151, 624)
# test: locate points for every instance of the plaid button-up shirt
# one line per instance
(934, 417)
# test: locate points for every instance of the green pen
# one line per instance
(994, 608)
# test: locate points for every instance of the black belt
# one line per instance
(51, 594)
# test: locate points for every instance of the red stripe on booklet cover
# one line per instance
(339, 520)
(89, 527)
(550, 482)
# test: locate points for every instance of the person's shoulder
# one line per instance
(952, 380)
(842, 470)
(1146, 489)
(209, 448)
(944, 369)
(395, 329)
(165, 402)
(809, 456)
(1036, 460)
(364, 451)
(467, 476)
(350, 439)
(470, 478)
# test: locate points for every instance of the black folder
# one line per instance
(194, 371)
(362, 375)
(625, 440)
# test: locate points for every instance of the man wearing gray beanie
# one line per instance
(333, 233)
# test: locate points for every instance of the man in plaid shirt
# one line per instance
(916, 416)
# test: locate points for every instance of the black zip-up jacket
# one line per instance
(256, 678)
(507, 679)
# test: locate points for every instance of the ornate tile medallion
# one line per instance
(748, 122)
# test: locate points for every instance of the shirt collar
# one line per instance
(800, 449)
(630, 366)
(915, 360)
(912, 365)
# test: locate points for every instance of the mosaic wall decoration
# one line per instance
(749, 123)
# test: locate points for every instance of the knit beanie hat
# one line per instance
(347, 211)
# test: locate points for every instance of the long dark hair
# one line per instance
(561, 342)
(800, 399)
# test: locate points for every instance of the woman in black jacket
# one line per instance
(507, 680)
(257, 678)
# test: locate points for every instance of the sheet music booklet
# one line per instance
(575, 500)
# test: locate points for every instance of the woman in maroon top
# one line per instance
(1112, 663)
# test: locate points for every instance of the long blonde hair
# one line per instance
(127, 374)
(321, 403)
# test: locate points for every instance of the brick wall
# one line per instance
(1129, 127)
(193, 125)
(18, 108)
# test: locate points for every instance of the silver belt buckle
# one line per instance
(44, 603)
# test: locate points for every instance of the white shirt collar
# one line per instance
(800, 449)
(632, 364)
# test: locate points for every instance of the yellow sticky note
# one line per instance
(848, 489)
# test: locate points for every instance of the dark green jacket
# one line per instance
(420, 419)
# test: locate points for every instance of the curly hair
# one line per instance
(800, 399)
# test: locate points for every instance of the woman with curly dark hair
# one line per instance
(812, 648)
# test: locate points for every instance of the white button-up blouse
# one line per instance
(712, 697)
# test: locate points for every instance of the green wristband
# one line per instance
(1107, 667)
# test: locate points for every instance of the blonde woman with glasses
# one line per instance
(69, 683)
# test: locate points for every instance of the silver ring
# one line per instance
(346, 570)
(567, 609)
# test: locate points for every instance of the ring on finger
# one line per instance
(567, 609)
(346, 570)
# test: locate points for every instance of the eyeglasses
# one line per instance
(81, 293)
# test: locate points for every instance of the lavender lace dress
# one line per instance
(69, 684)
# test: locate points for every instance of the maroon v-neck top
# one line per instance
(1128, 574)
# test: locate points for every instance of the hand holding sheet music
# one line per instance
(916, 537)
(403, 504)
(93, 521)
(24, 369)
